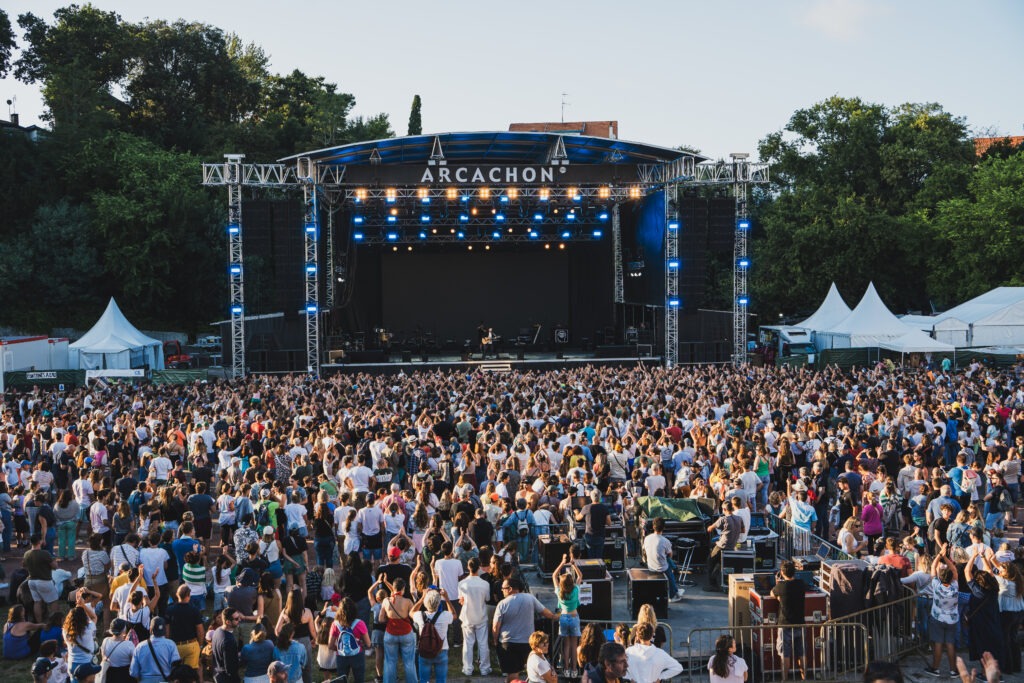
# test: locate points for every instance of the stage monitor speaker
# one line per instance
(520, 354)
(375, 356)
(647, 587)
(406, 356)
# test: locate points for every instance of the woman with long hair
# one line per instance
(566, 578)
(268, 603)
(17, 632)
(66, 511)
(724, 666)
(350, 638)
(871, 516)
(256, 656)
(300, 619)
(1011, 611)
(399, 639)
(589, 649)
(983, 622)
(80, 632)
(646, 615)
(323, 535)
(293, 654)
(420, 523)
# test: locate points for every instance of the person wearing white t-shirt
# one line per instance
(473, 595)
(160, 469)
(656, 481)
(538, 668)
(360, 478)
(295, 512)
(99, 516)
(83, 492)
(724, 666)
(428, 610)
(448, 569)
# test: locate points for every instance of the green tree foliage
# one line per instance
(415, 120)
(853, 185)
(978, 238)
(7, 43)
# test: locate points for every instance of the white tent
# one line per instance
(831, 311)
(916, 341)
(995, 318)
(114, 343)
(869, 324)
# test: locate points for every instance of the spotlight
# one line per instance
(743, 224)
(423, 234)
(673, 225)
(423, 193)
(744, 263)
(473, 211)
(311, 309)
(602, 216)
(566, 234)
(392, 236)
(487, 247)
(425, 218)
(465, 198)
(571, 216)
(547, 246)
(504, 199)
(673, 303)
(604, 192)
(464, 218)
(673, 264)
(496, 234)
(425, 200)
(469, 248)
(544, 194)
(461, 235)
(361, 194)
(409, 248)
(597, 234)
(634, 192)
(452, 194)
(743, 300)
(561, 246)
(235, 269)
(233, 229)
(392, 219)
(390, 195)
(533, 234)
(484, 193)
(572, 194)
(358, 220)
(236, 310)
(357, 236)
(310, 269)
(539, 217)
(513, 193)
(499, 217)
(394, 212)
(311, 228)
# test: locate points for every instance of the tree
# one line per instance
(7, 43)
(853, 185)
(415, 122)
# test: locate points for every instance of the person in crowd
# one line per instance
(430, 614)
(538, 668)
(658, 552)
(725, 666)
(155, 656)
(116, 651)
(648, 663)
(612, 665)
(17, 633)
(256, 656)
(224, 648)
(474, 592)
(512, 625)
(186, 628)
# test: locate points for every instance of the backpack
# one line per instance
(522, 526)
(430, 643)
(348, 644)
(263, 515)
(1005, 501)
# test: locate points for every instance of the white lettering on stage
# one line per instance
(428, 177)
(490, 174)
(529, 174)
(443, 174)
(495, 175)
(460, 174)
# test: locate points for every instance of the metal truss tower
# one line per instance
(671, 275)
(311, 264)
(741, 260)
(236, 280)
(620, 285)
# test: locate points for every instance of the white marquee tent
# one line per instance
(869, 324)
(114, 343)
(996, 318)
(831, 311)
(916, 341)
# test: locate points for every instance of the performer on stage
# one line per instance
(481, 334)
(487, 344)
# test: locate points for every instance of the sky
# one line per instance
(714, 75)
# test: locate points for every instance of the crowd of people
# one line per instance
(293, 527)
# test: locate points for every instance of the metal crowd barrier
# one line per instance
(555, 649)
(894, 629)
(794, 541)
(831, 651)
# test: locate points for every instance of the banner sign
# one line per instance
(491, 174)
(134, 372)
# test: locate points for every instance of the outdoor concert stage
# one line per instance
(379, 364)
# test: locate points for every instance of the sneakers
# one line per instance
(953, 673)
(932, 672)
(676, 598)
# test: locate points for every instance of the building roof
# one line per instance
(497, 147)
(597, 129)
(981, 145)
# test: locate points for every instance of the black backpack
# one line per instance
(431, 643)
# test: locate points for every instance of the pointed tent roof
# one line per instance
(916, 341)
(871, 317)
(112, 333)
(832, 310)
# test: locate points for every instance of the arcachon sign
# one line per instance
(490, 174)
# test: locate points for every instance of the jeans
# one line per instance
(51, 537)
(66, 532)
(395, 647)
(475, 635)
(924, 609)
(595, 547)
(8, 519)
(673, 587)
(324, 546)
(198, 601)
(993, 520)
(525, 547)
(31, 513)
(356, 664)
(438, 666)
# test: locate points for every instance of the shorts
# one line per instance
(512, 657)
(377, 637)
(189, 653)
(291, 569)
(43, 590)
(941, 632)
(790, 642)
(204, 528)
(569, 625)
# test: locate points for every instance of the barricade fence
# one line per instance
(664, 630)
(825, 651)
(795, 541)
(895, 629)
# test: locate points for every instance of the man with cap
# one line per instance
(396, 569)
(224, 647)
(155, 656)
(277, 672)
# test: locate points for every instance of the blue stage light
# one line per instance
(358, 220)
(499, 217)
(425, 200)
(673, 303)
(673, 225)
(743, 300)
(744, 263)
(533, 235)
(465, 198)
(392, 219)
(358, 236)
(235, 269)
(392, 236)
(310, 309)
(425, 218)
(461, 235)
(743, 224)
(496, 234)
(673, 264)
(603, 216)
(236, 310)
(310, 269)
(539, 217)
(597, 234)
(233, 229)
(464, 218)
(566, 234)
(311, 227)
(570, 216)
(504, 199)
(423, 234)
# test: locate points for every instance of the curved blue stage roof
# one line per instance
(504, 147)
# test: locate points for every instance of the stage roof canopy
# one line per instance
(499, 147)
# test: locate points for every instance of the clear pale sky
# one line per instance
(717, 75)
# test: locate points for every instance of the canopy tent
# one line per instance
(831, 311)
(916, 341)
(869, 324)
(925, 323)
(113, 342)
(995, 318)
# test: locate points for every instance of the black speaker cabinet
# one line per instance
(406, 356)
(647, 587)
(615, 554)
(550, 549)
(595, 591)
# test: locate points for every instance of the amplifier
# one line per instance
(595, 591)
(592, 569)
(615, 554)
(736, 562)
(550, 550)
(647, 587)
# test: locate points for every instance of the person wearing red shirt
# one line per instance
(893, 558)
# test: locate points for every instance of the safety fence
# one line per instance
(895, 629)
(795, 541)
(664, 637)
(825, 651)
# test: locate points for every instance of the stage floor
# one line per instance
(503, 363)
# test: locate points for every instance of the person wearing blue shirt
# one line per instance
(154, 658)
(525, 540)
(185, 543)
(291, 652)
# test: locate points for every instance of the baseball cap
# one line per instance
(158, 627)
(43, 666)
(83, 671)
(268, 531)
(395, 551)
